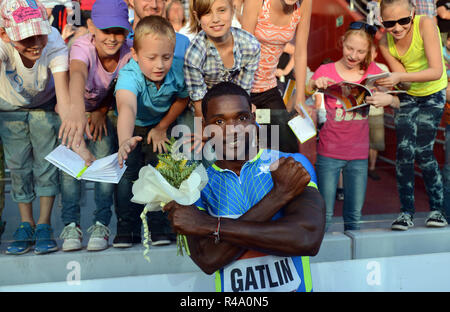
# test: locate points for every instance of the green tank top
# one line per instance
(415, 60)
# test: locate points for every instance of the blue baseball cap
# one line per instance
(110, 13)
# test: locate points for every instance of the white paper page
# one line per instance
(105, 169)
(66, 160)
(371, 79)
(303, 128)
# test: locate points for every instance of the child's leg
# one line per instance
(355, 183)
(43, 136)
(14, 132)
(45, 213)
(328, 170)
(103, 192)
(26, 213)
(2, 182)
(2, 188)
(406, 131)
(44, 127)
(159, 225)
(428, 120)
(70, 199)
(128, 213)
(446, 173)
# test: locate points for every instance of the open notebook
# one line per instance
(303, 127)
(105, 169)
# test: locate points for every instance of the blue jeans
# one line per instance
(103, 192)
(28, 135)
(446, 173)
(355, 181)
(416, 123)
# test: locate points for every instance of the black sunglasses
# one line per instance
(402, 21)
(370, 29)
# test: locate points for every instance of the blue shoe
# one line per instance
(44, 240)
(23, 240)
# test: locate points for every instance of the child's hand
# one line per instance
(73, 125)
(391, 81)
(97, 125)
(158, 136)
(196, 140)
(321, 83)
(67, 31)
(380, 99)
(83, 151)
(126, 147)
(279, 72)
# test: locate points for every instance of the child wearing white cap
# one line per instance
(33, 77)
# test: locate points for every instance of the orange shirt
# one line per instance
(273, 39)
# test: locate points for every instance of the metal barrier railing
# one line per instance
(360, 5)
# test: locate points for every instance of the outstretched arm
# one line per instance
(127, 109)
(301, 54)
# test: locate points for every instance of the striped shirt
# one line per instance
(203, 66)
(229, 195)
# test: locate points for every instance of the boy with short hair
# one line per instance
(29, 50)
(95, 61)
(150, 94)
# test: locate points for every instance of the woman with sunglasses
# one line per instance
(275, 23)
(344, 137)
(411, 48)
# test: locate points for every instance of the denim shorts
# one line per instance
(28, 136)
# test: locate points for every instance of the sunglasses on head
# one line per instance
(402, 21)
(370, 29)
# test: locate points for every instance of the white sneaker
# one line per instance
(436, 219)
(72, 236)
(99, 237)
(403, 222)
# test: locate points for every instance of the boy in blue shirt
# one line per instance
(150, 94)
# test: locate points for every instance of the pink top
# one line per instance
(273, 40)
(98, 80)
(345, 135)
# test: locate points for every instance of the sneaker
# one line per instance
(44, 240)
(123, 240)
(403, 222)
(436, 219)
(160, 240)
(72, 236)
(23, 240)
(99, 237)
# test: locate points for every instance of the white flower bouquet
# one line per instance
(174, 178)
